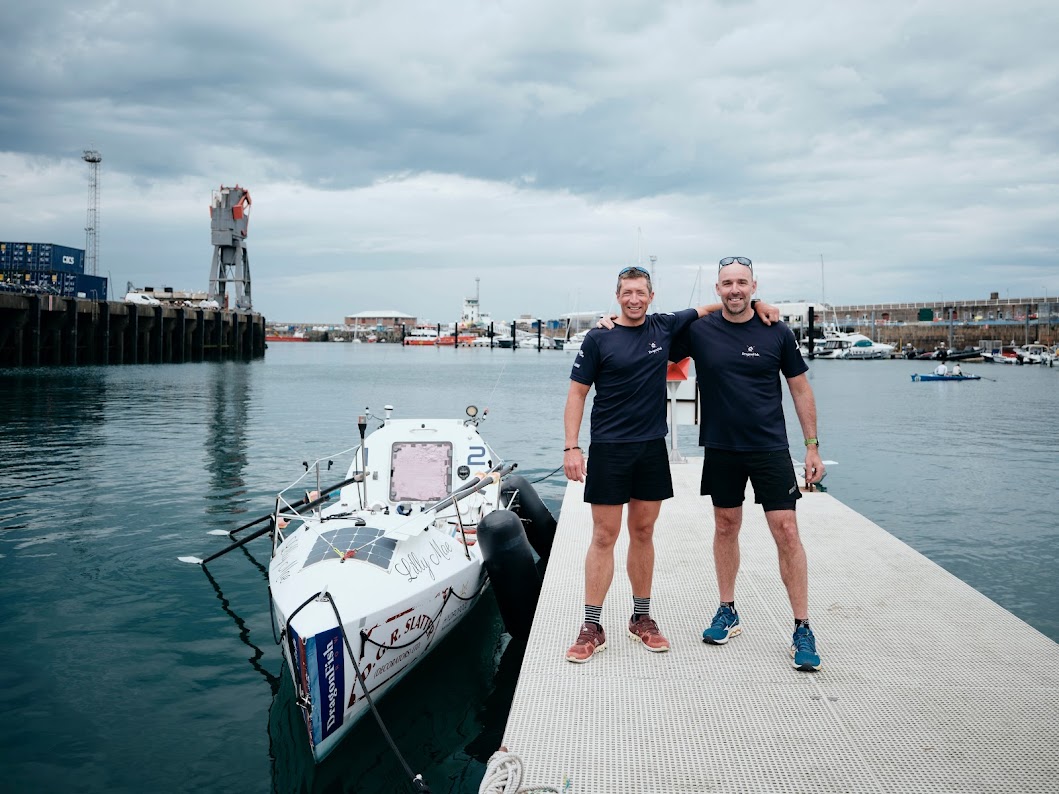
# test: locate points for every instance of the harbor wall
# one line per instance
(48, 330)
(958, 324)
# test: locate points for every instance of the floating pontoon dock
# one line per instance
(927, 685)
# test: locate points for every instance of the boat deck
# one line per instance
(927, 685)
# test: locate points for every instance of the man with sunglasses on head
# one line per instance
(738, 363)
(628, 462)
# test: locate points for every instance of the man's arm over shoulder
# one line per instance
(768, 313)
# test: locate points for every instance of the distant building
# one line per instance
(385, 320)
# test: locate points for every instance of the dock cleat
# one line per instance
(725, 625)
(590, 641)
(644, 629)
(803, 650)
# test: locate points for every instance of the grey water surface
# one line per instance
(126, 670)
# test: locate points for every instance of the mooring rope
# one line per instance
(503, 775)
(546, 476)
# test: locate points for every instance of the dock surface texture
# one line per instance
(926, 686)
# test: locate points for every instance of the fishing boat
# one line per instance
(368, 575)
(932, 376)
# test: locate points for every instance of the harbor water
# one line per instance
(127, 670)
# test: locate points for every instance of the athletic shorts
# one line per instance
(622, 470)
(724, 476)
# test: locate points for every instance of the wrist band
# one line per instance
(567, 449)
(811, 441)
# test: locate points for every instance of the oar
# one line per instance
(236, 545)
(300, 503)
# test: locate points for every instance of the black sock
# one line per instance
(798, 623)
(729, 604)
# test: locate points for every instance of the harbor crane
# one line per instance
(229, 218)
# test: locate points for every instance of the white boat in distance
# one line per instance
(839, 344)
(573, 344)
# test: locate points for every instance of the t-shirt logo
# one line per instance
(654, 349)
(749, 352)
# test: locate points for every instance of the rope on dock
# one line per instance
(503, 775)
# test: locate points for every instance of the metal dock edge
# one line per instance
(927, 685)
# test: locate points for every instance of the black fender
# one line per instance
(509, 560)
(539, 522)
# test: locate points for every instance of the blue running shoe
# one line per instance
(803, 650)
(725, 626)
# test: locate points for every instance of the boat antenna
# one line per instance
(362, 425)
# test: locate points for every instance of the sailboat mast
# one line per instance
(823, 292)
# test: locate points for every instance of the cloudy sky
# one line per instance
(396, 151)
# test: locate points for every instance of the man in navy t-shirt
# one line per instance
(738, 362)
(628, 461)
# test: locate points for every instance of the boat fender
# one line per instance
(540, 523)
(509, 560)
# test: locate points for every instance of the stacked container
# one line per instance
(66, 285)
(41, 257)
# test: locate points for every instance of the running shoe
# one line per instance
(803, 650)
(725, 625)
(643, 629)
(589, 642)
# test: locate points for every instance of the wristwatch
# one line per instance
(812, 441)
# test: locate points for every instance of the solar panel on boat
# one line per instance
(368, 543)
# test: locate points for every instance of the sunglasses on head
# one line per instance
(731, 260)
(634, 271)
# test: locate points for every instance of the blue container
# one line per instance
(66, 260)
(90, 287)
(42, 257)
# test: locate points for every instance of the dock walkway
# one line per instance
(927, 685)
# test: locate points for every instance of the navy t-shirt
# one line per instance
(738, 367)
(627, 365)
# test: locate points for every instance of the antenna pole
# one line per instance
(93, 158)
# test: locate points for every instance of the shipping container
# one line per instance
(42, 257)
(67, 285)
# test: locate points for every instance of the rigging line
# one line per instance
(498, 377)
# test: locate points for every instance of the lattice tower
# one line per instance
(93, 158)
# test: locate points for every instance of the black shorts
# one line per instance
(724, 476)
(622, 470)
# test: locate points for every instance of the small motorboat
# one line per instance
(369, 574)
(932, 376)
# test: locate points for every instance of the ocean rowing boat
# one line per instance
(368, 575)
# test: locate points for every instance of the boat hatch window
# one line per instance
(368, 543)
(864, 343)
(420, 471)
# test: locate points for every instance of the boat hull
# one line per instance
(945, 377)
(437, 586)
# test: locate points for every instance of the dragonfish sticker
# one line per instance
(326, 662)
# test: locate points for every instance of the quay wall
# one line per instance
(954, 323)
(928, 336)
(47, 330)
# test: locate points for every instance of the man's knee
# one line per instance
(784, 526)
(605, 533)
(727, 520)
